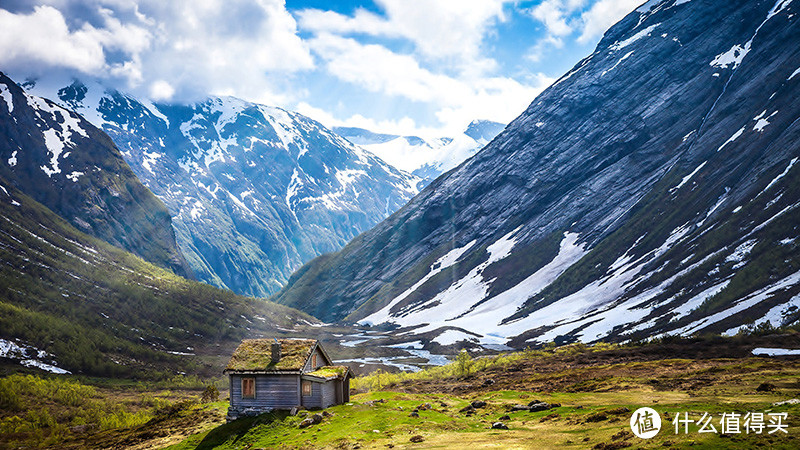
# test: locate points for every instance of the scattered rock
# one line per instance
(612, 446)
(488, 382)
(549, 417)
(413, 414)
(506, 417)
(443, 404)
(478, 404)
(541, 406)
(597, 417)
(622, 435)
(765, 387)
(306, 423)
(316, 418)
(533, 402)
(793, 401)
(499, 426)
(555, 405)
(416, 439)
(467, 409)
(520, 408)
(326, 414)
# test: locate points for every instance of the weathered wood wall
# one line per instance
(272, 391)
(320, 361)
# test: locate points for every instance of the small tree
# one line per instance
(210, 394)
(463, 363)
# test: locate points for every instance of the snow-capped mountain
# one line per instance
(254, 191)
(654, 188)
(424, 158)
(65, 163)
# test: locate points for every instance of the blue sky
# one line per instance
(425, 67)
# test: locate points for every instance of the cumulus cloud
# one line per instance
(42, 39)
(581, 20)
(457, 101)
(602, 15)
(438, 29)
(555, 15)
(195, 48)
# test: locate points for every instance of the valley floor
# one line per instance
(597, 389)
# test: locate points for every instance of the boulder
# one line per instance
(539, 407)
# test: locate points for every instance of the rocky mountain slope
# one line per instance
(73, 168)
(424, 158)
(652, 189)
(254, 191)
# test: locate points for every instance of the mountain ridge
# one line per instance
(569, 225)
(67, 164)
(254, 191)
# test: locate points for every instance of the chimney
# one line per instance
(276, 351)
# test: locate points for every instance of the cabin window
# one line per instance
(248, 388)
(314, 361)
(306, 388)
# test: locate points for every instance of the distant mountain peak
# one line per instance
(424, 158)
(254, 190)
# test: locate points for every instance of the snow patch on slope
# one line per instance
(688, 177)
(782, 174)
(619, 45)
(732, 138)
(442, 263)
(6, 95)
(732, 57)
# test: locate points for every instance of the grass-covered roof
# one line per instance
(330, 372)
(256, 355)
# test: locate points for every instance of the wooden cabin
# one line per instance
(268, 374)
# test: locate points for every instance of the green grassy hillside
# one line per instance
(101, 311)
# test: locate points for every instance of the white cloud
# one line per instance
(195, 47)
(439, 29)
(404, 126)
(42, 39)
(160, 90)
(457, 101)
(378, 69)
(602, 15)
(555, 15)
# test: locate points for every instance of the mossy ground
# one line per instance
(597, 387)
(597, 390)
(584, 420)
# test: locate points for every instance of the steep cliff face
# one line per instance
(651, 189)
(67, 164)
(254, 191)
